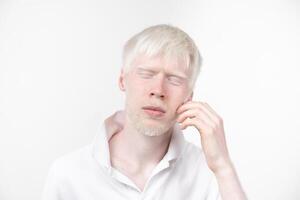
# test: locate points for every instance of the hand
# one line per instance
(210, 126)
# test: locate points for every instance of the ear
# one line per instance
(121, 80)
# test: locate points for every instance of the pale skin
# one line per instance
(138, 159)
(210, 127)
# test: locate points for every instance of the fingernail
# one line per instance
(180, 125)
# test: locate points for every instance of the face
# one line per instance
(154, 89)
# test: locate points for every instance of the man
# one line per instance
(140, 153)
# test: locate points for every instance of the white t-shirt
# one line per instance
(87, 174)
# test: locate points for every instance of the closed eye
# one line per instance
(145, 73)
(175, 80)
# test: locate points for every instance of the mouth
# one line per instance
(154, 111)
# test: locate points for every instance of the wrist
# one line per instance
(225, 171)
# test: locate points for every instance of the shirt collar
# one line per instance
(113, 124)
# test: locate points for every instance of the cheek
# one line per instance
(176, 102)
(177, 98)
(135, 93)
(133, 86)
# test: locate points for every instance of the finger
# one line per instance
(198, 124)
(195, 113)
(210, 109)
(188, 113)
(198, 105)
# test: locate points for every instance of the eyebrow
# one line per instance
(168, 74)
(145, 69)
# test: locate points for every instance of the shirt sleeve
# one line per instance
(51, 187)
(214, 193)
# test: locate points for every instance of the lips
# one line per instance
(154, 108)
(154, 111)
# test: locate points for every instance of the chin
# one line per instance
(153, 129)
(150, 126)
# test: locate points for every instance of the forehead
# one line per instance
(161, 63)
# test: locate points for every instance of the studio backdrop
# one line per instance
(59, 67)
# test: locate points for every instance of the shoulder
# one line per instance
(65, 170)
(71, 162)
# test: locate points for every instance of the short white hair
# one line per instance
(167, 41)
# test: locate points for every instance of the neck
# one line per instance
(138, 149)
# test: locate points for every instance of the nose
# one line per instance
(158, 89)
(158, 95)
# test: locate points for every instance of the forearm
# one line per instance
(229, 185)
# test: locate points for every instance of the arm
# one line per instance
(210, 126)
(229, 184)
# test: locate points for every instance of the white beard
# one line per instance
(150, 130)
(138, 122)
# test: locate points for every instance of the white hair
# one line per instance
(167, 41)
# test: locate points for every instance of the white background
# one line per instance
(60, 60)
